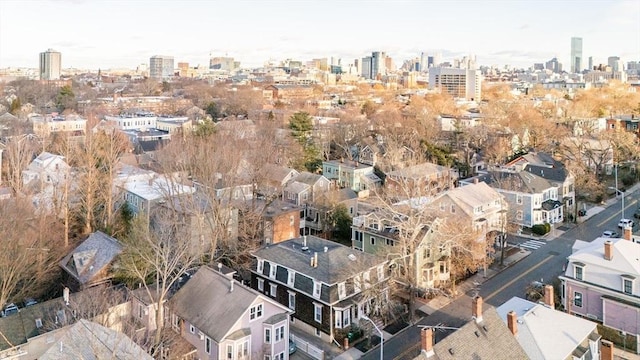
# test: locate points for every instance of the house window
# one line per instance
(292, 300)
(373, 240)
(365, 278)
(192, 329)
(279, 333)
(273, 288)
(279, 356)
(207, 345)
(342, 290)
(577, 299)
(260, 266)
(426, 253)
(175, 322)
(453, 209)
(255, 312)
(229, 352)
(316, 289)
(272, 271)
(291, 220)
(356, 283)
(243, 349)
(578, 272)
(317, 312)
(267, 336)
(519, 199)
(338, 318)
(261, 284)
(346, 317)
(291, 277)
(140, 311)
(627, 286)
(390, 242)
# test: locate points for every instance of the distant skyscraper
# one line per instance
(161, 67)
(50, 65)
(553, 65)
(615, 63)
(590, 63)
(375, 65)
(576, 55)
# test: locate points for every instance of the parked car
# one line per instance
(29, 302)
(292, 347)
(10, 309)
(609, 234)
(623, 223)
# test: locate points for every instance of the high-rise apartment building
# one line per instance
(576, 55)
(223, 63)
(50, 65)
(161, 67)
(553, 65)
(459, 83)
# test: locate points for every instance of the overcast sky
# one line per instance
(125, 33)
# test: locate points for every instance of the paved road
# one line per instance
(545, 263)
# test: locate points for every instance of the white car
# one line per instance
(624, 223)
(609, 234)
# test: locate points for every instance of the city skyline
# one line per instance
(109, 34)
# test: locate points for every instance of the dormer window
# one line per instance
(291, 278)
(342, 290)
(272, 271)
(627, 284)
(578, 271)
(260, 266)
(316, 289)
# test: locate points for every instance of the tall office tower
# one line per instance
(424, 62)
(161, 67)
(554, 65)
(576, 55)
(50, 65)
(366, 67)
(590, 63)
(459, 83)
(615, 63)
(430, 61)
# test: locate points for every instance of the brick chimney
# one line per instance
(626, 233)
(548, 296)
(512, 322)
(426, 341)
(476, 308)
(606, 350)
(608, 250)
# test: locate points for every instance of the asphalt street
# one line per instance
(545, 263)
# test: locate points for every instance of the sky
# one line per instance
(93, 34)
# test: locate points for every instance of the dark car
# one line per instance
(292, 347)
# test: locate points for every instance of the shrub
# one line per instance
(539, 229)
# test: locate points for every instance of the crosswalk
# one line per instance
(532, 244)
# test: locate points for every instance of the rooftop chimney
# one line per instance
(606, 350)
(426, 341)
(65, 295)
(548, 296)
(608, 250)
(476, 308)
(315, 260)
(231, 288)
(626, 233)
(512, 322)
(475, 180)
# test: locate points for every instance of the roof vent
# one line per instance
(352, 257)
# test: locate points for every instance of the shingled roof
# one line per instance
(91, 257)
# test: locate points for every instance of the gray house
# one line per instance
(223, 319)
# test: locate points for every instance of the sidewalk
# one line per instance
(472, 283)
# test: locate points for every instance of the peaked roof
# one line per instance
(8, 117)
(207, 302)
(625, 260)
(471, 196)
(87, 340)
(278, 173)
(545, 333)
(91, 257)
(333, 265)
(489, 339)
(521, 181)
(309, 178)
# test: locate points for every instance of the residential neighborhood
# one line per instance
(371, 200)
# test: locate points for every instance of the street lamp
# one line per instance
(380, 332)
